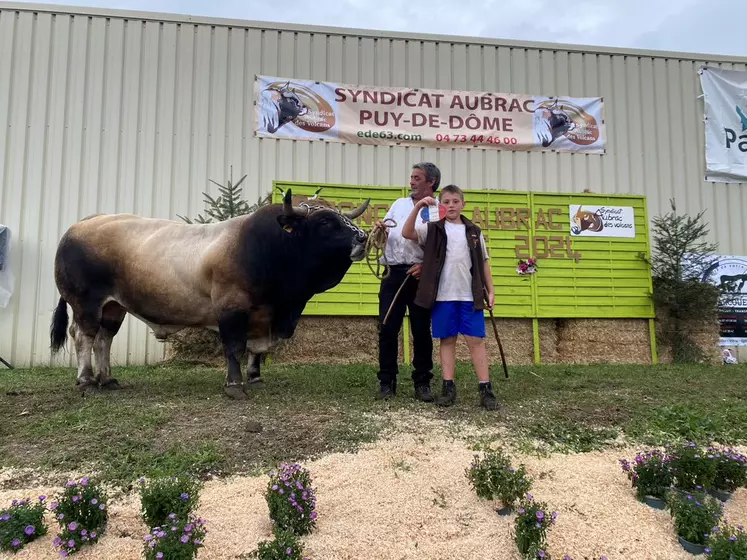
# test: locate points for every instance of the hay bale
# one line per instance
(704, 334)
(345, 340)
(628, 331)
(590, 352)
(331, 340)
(195, 345)
(548, 335)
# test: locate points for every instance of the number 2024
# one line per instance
(554, 246)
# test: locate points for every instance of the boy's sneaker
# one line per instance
(487, 398)
(448, 394)
(423, 393)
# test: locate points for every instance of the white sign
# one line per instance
(730, 273)
(602, 221)
(725, 94)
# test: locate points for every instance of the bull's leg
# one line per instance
(112, 317)
(253, 375)
(85, 333)
(233, 326)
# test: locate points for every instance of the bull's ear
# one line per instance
(288, 223)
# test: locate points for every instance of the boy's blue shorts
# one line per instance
(450, 318)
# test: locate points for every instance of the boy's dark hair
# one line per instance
(432, 173)
(453, 189)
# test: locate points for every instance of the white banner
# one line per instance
(602, 221)
(725, 96)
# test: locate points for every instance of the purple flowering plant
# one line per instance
(650, 473)
(285, 546)
(82, 514)
(694, 466)
(492, 476)
(162, 496)
(176, 539)
(696, 514)
(727, 543)
(532, 523)
(22, 523)
(291, 499)
(731, 469)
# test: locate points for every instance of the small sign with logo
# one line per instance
(602, 221)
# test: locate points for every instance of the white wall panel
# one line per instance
(108, 111)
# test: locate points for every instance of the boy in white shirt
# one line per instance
(453, 282)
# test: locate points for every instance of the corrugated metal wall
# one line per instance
(132, 114)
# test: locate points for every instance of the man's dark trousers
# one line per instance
(420, 321)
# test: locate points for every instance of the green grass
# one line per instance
(174, 418)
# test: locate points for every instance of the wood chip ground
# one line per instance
(407, 497)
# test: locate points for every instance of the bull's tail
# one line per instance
(58, 329)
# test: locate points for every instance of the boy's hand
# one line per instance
(491, 300)
(415, 270)
(427, 201)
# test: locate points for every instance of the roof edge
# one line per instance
(365, 33)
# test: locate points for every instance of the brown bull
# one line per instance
(249, 278)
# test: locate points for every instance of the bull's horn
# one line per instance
(358, 211)
(288, 208)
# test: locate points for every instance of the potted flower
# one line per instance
(731, 472)
(532, 524)
(696, 514)
(651, 475)
(694, 467)
(492, 476)
(727, 543)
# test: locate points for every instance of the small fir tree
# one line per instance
(229, 203)
(679, 265)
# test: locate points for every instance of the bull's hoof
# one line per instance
(111, 384)
(88, 386)
(236, 392)
(255, 383)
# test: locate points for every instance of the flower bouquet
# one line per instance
(528, 266)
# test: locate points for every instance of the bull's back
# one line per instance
(158, 269)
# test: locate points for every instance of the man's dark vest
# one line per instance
(434, 255)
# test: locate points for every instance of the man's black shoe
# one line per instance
(423, 393)
(386, 392)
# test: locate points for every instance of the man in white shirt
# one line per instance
(402, 257)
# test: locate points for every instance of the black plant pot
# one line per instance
(692, 548)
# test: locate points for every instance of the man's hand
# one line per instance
(381, 224)
(415, 270)
(491, 300)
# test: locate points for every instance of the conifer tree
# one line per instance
(228, 204)
(682, 292)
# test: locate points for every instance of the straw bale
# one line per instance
(614, 352)
(331, 340)
(603, 330)
(345, 340)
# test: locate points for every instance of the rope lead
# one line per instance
(376, 245)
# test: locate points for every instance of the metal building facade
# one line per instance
(111, 111)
